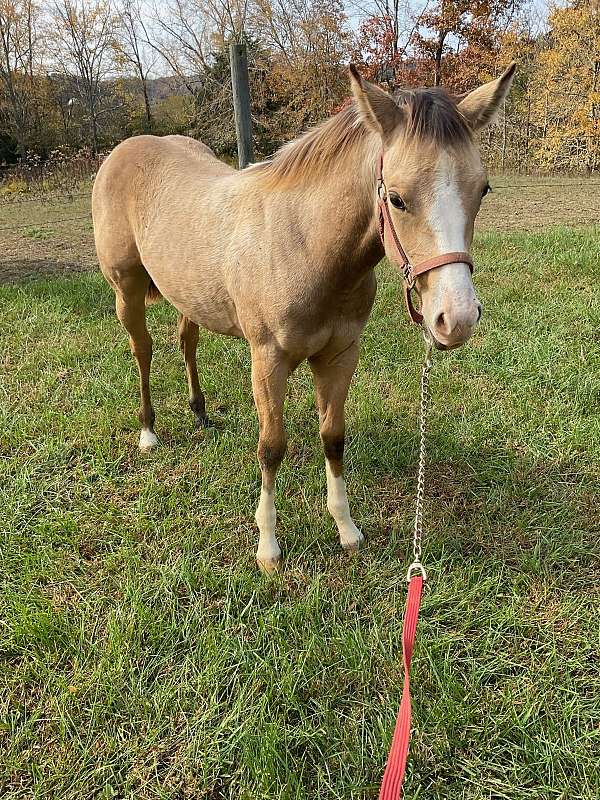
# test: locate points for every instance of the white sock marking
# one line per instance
(337, 505)
(268, 546)
(148, 439)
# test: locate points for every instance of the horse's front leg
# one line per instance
(332, 373)
(270, 371)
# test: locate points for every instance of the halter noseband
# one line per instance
(409, 271)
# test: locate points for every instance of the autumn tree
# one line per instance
(566, 89)
(187, 33)
(457, 41)
(309, 42)
(384, 38)
(82, 37)
(19, 62)
(131, 48)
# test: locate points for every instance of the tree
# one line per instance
(187, 33)
(384, 38)
(566, 89)
(131, 34)
(306, 44)
(19, 56)
(83, 39)
(459, 40)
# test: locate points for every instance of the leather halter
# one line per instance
(409, 271)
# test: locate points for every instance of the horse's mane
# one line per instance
(431, 115)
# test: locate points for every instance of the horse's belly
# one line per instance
(217, 315)
(209, 306)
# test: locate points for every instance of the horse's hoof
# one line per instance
(148, 440)
(354, 544)
(269, 566)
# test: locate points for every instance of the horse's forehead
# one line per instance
(427, 164)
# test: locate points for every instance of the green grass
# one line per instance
(144, 657)
(40, 233)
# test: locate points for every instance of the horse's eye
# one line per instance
(397, 201)
(487, 188)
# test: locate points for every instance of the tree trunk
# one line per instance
(147, 105)
(94, 126)
(439, 51)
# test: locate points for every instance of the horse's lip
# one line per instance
(437, 344)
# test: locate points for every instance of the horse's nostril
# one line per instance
(440, 323)
(479, 309)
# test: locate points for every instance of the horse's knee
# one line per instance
(271, 452)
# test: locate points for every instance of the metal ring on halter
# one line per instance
(409, 278)
(416, 566)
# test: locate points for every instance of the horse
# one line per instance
(283, 253)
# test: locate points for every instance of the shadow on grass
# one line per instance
(484, 505)
(17, 270)
(72, 286)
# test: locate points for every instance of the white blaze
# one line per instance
(451, 285)
(447, 218)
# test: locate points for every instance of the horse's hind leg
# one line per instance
(188, 341)
(131, 311)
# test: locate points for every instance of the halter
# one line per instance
(409, 271)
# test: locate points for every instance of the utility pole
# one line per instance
(241, 103)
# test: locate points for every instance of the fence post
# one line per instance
(241, 103)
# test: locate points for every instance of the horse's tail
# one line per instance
(153, 294)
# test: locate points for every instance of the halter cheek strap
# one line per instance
(409, 271)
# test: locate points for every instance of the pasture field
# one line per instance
(142, 655)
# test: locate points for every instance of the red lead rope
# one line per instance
(391, 786)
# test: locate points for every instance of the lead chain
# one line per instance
(423, 414)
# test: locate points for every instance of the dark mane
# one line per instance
(431, 115)
(313, 151)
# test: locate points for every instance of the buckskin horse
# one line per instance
(283, 253)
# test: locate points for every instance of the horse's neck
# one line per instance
(333, 214)
(349, 243)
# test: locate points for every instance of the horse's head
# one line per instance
(434, 184)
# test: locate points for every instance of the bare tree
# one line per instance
(83, 39)
(18, 53)
(131, 46)
(185, 33)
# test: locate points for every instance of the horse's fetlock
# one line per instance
(333, 445)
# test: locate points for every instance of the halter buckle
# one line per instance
(416, 566)
(381, 189)
(407, 272)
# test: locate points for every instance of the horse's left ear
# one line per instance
(481, 105)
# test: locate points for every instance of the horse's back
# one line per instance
(135, 181)
(140, 161)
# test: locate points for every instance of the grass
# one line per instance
(144, 657)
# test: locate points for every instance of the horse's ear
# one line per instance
(377, 109)
(480, 106)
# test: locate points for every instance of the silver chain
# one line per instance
(423, 413)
